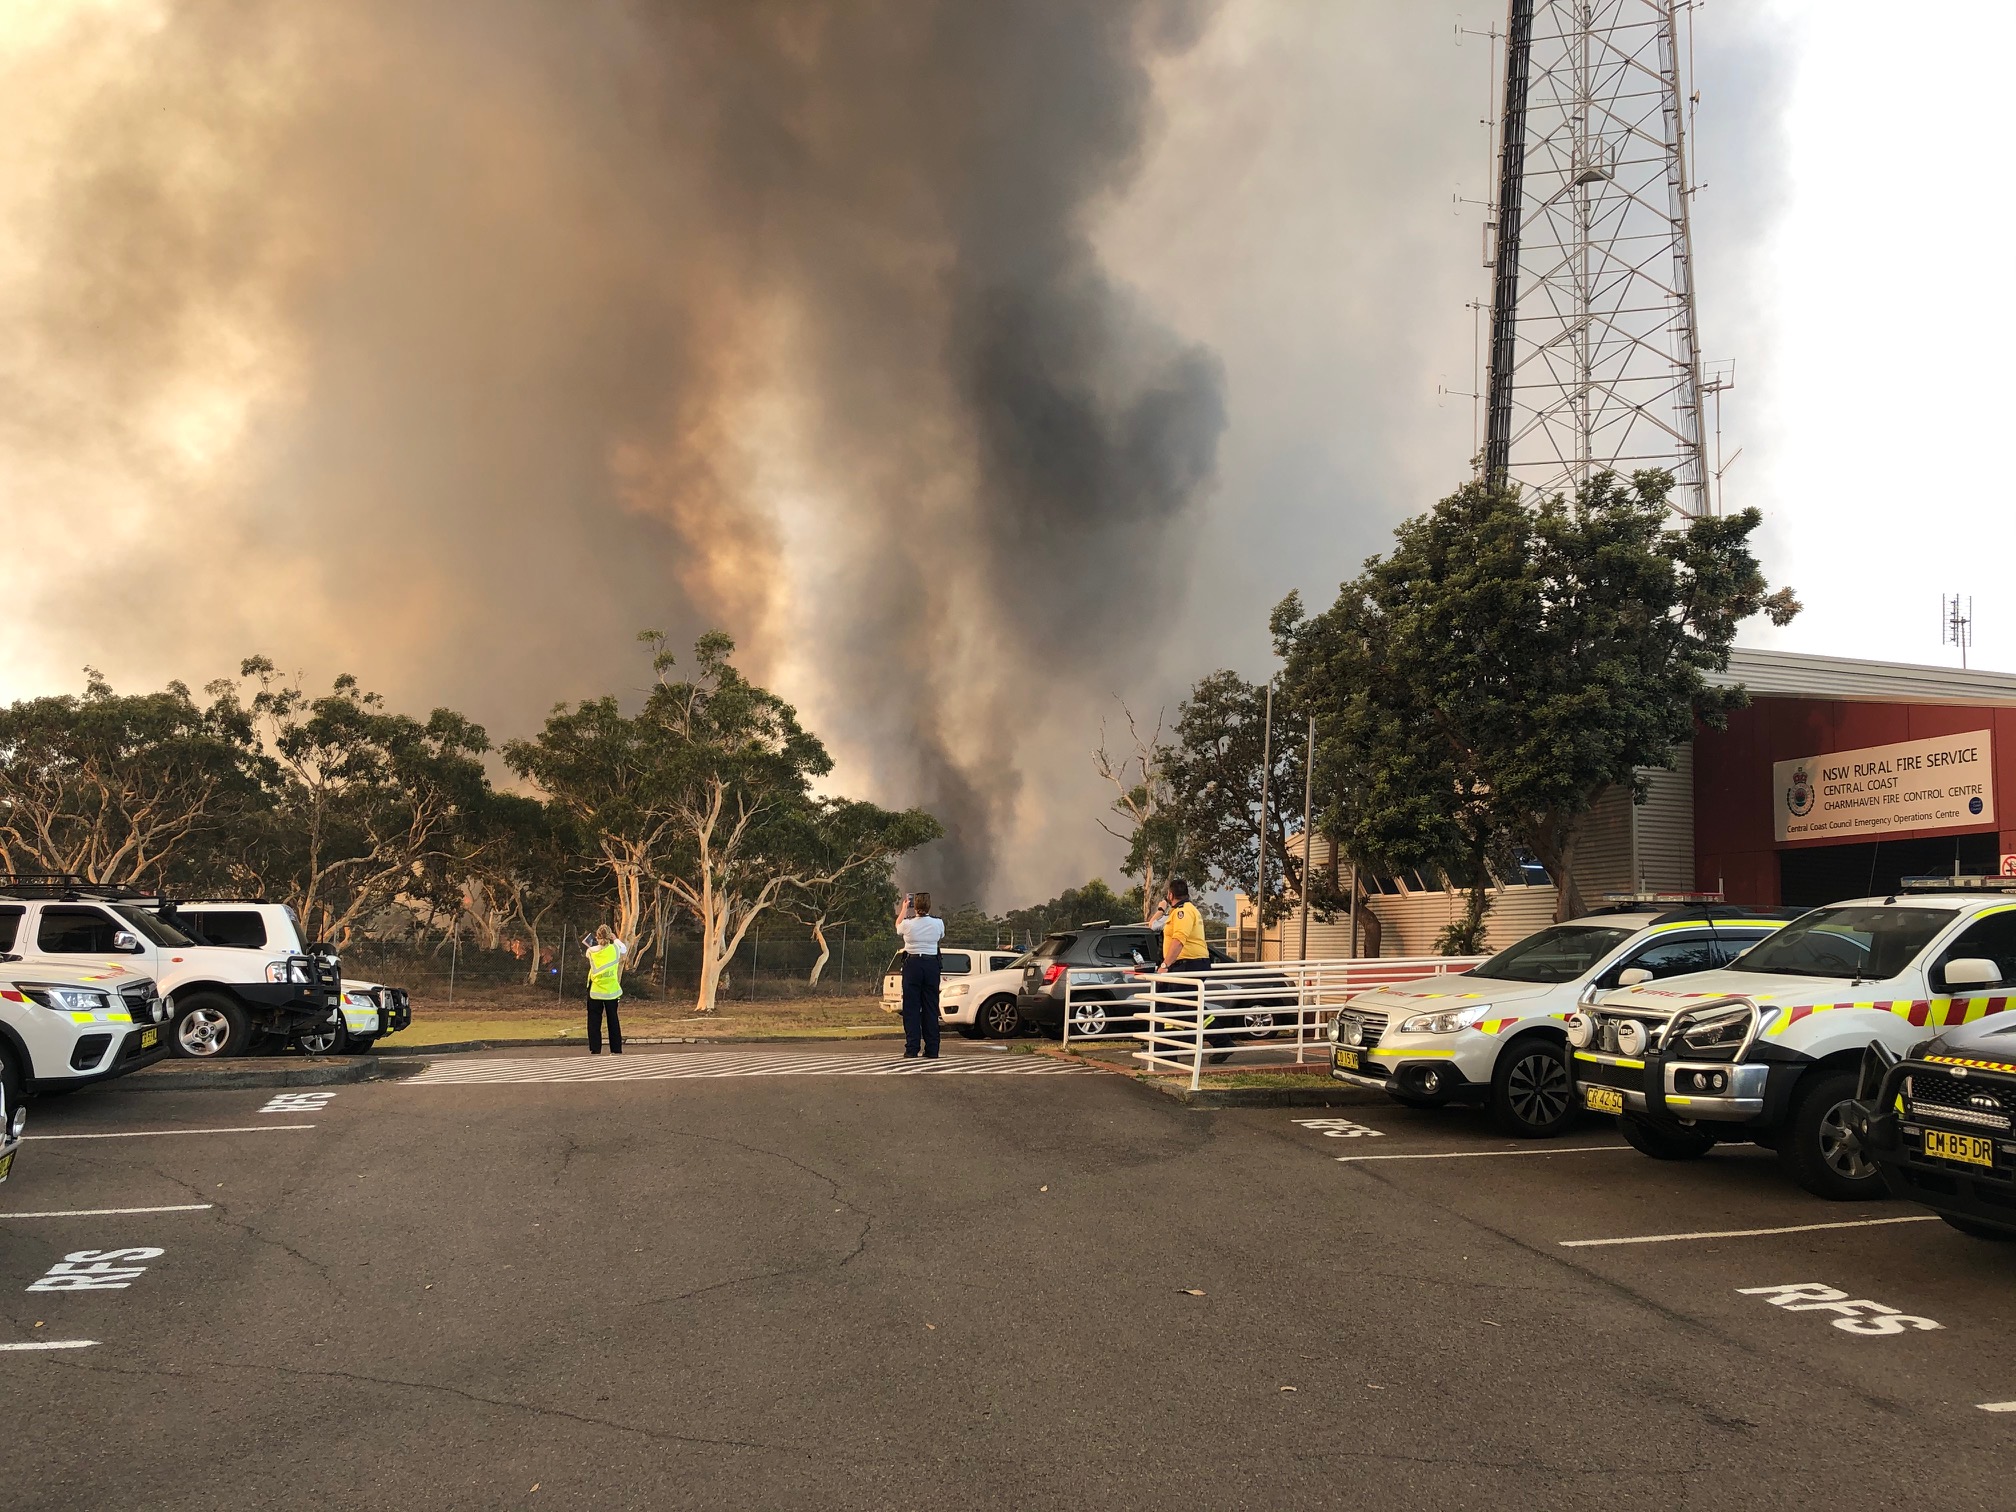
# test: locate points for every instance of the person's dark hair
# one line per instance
(1179, 889)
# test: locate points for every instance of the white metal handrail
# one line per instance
(1176, 1016)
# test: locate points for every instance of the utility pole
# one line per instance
(1957, 626)
(1308, 835)
(1266, 770)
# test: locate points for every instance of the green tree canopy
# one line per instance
(1507, 662)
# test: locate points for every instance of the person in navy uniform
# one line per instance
(920, 933)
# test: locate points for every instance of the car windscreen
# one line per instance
(896, 962)
(1053, 947)
(1559, 954)
(1858, 943)
(150, 927)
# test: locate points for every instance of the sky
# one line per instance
(976, 408)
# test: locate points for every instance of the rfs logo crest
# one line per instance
(1799, 796)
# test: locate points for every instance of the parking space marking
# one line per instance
(186, 1207)
(97, 1270)
(1858, 1315)
(1339, 1128)
(54, 1344)
(1797, 1228)
(728, 1063)
(1487, 1154)
(151, 1133)
(1996, 1406)
(298, 1102)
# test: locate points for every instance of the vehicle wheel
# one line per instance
(1663, 1143)
(360, 1044)
(1820, 1150)
(1532, 1092)
(1975, 1230)
(324, 1039)
(211, 1028)
(1090, 1019)
(999, 1018)
(1260, 1024)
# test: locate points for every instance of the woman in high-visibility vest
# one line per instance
(605, 987)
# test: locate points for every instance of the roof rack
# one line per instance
(1958, 883)
(1097, 924)
(67, 887)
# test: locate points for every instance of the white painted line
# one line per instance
(1485, 1154)
(1797, 1228)
(1996, 1406)
(150, 1133)
(187, 1207)
(55, 1344)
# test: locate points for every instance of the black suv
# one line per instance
(1105, 956)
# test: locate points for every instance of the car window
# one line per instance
(150, 926)
(1869, 944)
(1121, 947)
(10, 926)
(1001, 961)
(1990, 939)
(955, 962)
(1053, 947)
(236, 928)
(895, 963)
(75, 931)
(1677, 957)
(1559, 954)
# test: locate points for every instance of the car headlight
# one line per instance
(1719, 1031)
(65, 999)
(1631, 1038)
(1581, 1030)
(958, 991)
(289, 971)
(17, 1121)
(358, 1000)
(1446, 1021)
(1346, 1030)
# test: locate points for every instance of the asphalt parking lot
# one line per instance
(788, 1278)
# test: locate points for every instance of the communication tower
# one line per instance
(1595, 355)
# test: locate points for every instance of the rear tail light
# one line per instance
(1052, 971)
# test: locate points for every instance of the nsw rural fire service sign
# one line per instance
(1944, 783)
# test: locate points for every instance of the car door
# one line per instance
(1991, 937)
(86, 931)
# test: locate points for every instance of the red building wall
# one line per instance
(1734, 848)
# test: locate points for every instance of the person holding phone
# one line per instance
(605, 987)
(920, 934)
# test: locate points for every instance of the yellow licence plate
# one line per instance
(1963, 1147)
(1603, 1099)
(6, 1164)
(1346, 1060)
(149, 1038)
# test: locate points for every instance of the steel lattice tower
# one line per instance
(1595, 357)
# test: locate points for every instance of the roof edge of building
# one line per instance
(1800, 674)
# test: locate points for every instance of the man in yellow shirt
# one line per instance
(1183, 947)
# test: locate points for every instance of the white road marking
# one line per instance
(150, 1133)
(1340, 1128)
(55, 1344)
(117, 1212)
(298, 1102)
(725, 1063)
(1797, 1228)
(1486, 1154)
(1996, 1406)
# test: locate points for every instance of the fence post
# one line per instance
(1065, 1042)
(1197, 1059)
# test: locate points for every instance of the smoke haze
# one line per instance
(970, 363)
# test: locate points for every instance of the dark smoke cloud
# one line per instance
(454, 343)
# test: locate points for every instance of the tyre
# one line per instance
(1260, 1024)
(1662, 1142)
(324, 1039)
(1088, 1019)
(999, 1018)
(1532, 1091)
(208, 1027)
(13, 1080)
(360, 1044)
(1975, 1230)
(1819, 1150)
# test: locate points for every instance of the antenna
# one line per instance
(1956, 627)
(1595, 349)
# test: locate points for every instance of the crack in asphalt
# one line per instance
(250, 1231)
(533, 1408)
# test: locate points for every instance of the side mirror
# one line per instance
(127, 944)
(1972, 971)
(1633, 977)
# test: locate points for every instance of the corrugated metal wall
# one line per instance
(1666, 826)
(1409, 924)
(1603, 856)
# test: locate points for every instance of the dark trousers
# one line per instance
(1220, 1030)
(596, 1008)
(920, 1004)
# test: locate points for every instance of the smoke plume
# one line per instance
(455, 343)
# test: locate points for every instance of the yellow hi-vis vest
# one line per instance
(605, 972)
